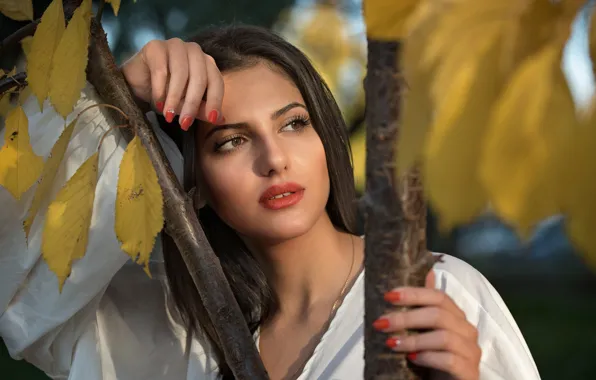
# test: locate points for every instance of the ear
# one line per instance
(430, 281)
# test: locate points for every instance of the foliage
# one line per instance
(490, 119)
(56, 63)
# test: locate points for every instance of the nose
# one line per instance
(273, 157)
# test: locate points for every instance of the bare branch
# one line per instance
(102, 4)
(19, 35)
(7, 83)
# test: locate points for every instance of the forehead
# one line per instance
(259, 89)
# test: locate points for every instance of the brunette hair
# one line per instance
(234, 48)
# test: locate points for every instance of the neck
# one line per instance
(310, 270)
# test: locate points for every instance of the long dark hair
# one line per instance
(233, 48)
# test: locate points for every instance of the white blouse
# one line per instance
(111, 322)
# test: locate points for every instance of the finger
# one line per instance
(436, 340)
(155, 56)
(197, 83)
(215, 92)
(425, 318)
(410, 296)
(458, 367)
(430, 280)
(178, 65)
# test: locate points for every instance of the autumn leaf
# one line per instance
(19, 165)
(48, 174)
(68, 219)
(115, 5)
(68, 76)
(386, 19)
(417, 104)
(139, 204)
(530, 120)
(19, 10)
(26, 45)
(45, 41)
(578, 165)
(5, 104)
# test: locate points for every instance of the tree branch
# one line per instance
(395, 214)
(16, 37)
(181, 220)
(8, 83)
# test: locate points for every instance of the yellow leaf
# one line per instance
(358, 143)
(68, 77)
(44, 44)
(115, 5)
(531, 119)
(386, 19)
(47, 176)
(19, 165)
(24, 94)
(68, 219)
(5, 105)
(578, 164)
(26, 45)
(417, 106)
(139, 204)
(19, 10)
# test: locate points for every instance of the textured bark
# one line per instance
(395, 214)
(181, 221)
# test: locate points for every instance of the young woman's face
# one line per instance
(265, 170)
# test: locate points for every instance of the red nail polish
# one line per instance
(381, 324)
(159, 106)
(212, 117)
(186, 122)
(170, 115)
(392, 342)
(392, 296)
(412, 356)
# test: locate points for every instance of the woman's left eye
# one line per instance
(296, 124)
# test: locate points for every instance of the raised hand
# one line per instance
(178, 78)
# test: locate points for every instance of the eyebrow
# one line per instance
(274, 115)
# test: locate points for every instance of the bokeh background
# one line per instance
(549, 290)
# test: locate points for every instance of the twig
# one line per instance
(19, 35)
(9, 82)
(102, 4)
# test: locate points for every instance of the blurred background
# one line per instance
(549, 290)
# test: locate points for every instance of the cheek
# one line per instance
(223, 181)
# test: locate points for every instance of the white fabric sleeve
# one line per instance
(60, 332)
(505, 354)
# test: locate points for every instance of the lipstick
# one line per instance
(281, 196)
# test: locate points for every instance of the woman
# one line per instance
(273, 167)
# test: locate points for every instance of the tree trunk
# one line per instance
(395, 214)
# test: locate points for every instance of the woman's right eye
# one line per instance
(229, 144)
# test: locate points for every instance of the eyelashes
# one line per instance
(296, 124)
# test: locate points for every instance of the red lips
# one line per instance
(281, 196)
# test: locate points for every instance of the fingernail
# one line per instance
(170, 115)
(212, 117)
(412, 356)
(392, 342)
(159, 106)
(392, 296)
(186, 122)
(381, 324)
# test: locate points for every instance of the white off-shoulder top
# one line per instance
(111, 322)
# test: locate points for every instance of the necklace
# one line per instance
(343, 289)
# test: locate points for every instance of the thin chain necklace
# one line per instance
(343, 289)
(327, 324)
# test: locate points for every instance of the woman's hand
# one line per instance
(451, 345)
(178, 78)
